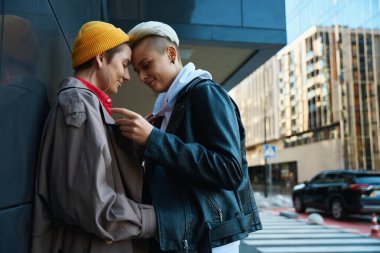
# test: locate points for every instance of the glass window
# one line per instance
(340, 178)
(348, 178)
(317, 179)
(367, 179)
(329, 178)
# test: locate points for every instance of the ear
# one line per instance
(172, 53)
(99, 58)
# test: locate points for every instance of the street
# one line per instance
(283, 235)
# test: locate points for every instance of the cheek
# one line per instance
(167, 76)
(121, 72)
(117, 72)
(162, 73)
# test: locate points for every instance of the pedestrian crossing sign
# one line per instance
(269, 151)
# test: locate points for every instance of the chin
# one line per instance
(113, 91)
(159, 89)
(116, 89)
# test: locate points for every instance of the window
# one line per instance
(317, 179)
(330, 178)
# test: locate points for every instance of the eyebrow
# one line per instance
(138, 64)
(142, 61)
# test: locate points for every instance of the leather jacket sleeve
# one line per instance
(213, 157)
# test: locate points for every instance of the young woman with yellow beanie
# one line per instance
(89, 182)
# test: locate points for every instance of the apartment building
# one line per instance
(317, 101)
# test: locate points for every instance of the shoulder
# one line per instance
(72, 91)
(207, 88)
(198, 83)
(200, 86)
(74, 100)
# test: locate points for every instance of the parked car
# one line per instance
(341, 192)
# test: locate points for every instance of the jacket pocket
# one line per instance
(73, 109)
(216, 207)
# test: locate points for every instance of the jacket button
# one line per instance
(108, 242)
(75, 115)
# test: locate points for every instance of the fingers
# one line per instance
(124, 122)
(125, 112)
(133, 126)
(127, 128)
(136, 133)
(127, 134)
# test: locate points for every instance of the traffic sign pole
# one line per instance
(269, 152)
(265, 179)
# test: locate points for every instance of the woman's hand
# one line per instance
(133, 125)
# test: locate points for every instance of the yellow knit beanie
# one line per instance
(96, 37)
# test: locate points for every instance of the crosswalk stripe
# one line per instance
(296, 231)
(319, 249)
(282, 223)
(301, 236)
(282, 235)
(313, 241)
(292, 226)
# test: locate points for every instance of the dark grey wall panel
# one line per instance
(15, 229)
(27, 84)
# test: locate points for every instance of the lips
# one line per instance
(149, 83)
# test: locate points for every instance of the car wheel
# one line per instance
(298, 205)
(337, 209)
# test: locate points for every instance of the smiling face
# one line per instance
(115, 69)
(154, 60)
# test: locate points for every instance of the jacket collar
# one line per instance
(179, 107)
(176, 117)
(103, 97)
(72, 82)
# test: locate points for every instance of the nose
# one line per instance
(142, 76)
(126, 75)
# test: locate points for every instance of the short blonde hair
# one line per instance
(152, 28)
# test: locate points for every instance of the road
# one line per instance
(283, 235)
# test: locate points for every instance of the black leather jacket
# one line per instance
(197, 172)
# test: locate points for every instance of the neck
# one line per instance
(88, 75)
(178, 67)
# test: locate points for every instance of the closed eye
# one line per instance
(145, 65)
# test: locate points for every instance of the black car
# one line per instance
(340, 192)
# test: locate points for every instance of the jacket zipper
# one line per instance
(185, 242)
(216, 206)
(143, 165)
(186, 245)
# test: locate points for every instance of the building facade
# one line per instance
(317, 101)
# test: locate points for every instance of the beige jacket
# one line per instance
(89, 182)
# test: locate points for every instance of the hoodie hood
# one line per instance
(166, 100)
